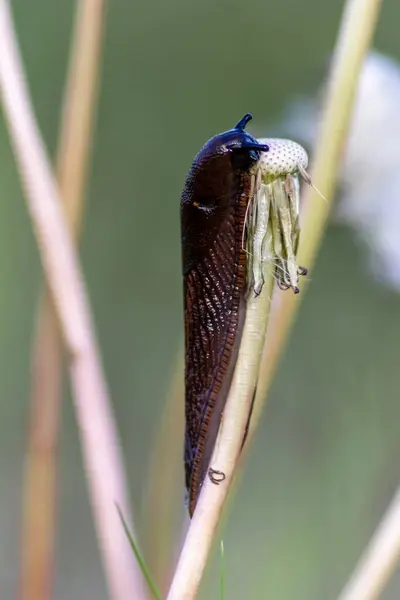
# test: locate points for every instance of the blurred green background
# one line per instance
(325, 462)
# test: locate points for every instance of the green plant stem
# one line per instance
(355, 36)
(140, 560)
(227, 449)
(222, 576)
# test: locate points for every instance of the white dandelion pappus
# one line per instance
(273, 220)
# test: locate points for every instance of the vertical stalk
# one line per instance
(101, 451)
(379, 560)
(212, 498)
(163, 490)
(354, 39)
(73, 158)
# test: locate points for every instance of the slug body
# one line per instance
(218, 189)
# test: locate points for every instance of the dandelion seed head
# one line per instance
(273, 219)
(284, 157)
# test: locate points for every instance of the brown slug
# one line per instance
(218, 189)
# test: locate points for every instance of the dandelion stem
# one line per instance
(212, 498)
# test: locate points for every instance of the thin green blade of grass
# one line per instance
(222, 579)
(141, 562)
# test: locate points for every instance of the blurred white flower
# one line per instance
(369, 185)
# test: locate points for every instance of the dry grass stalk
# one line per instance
(101, 451)
(73, 157)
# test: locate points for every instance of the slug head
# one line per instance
(214, 185)
(234, 143)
